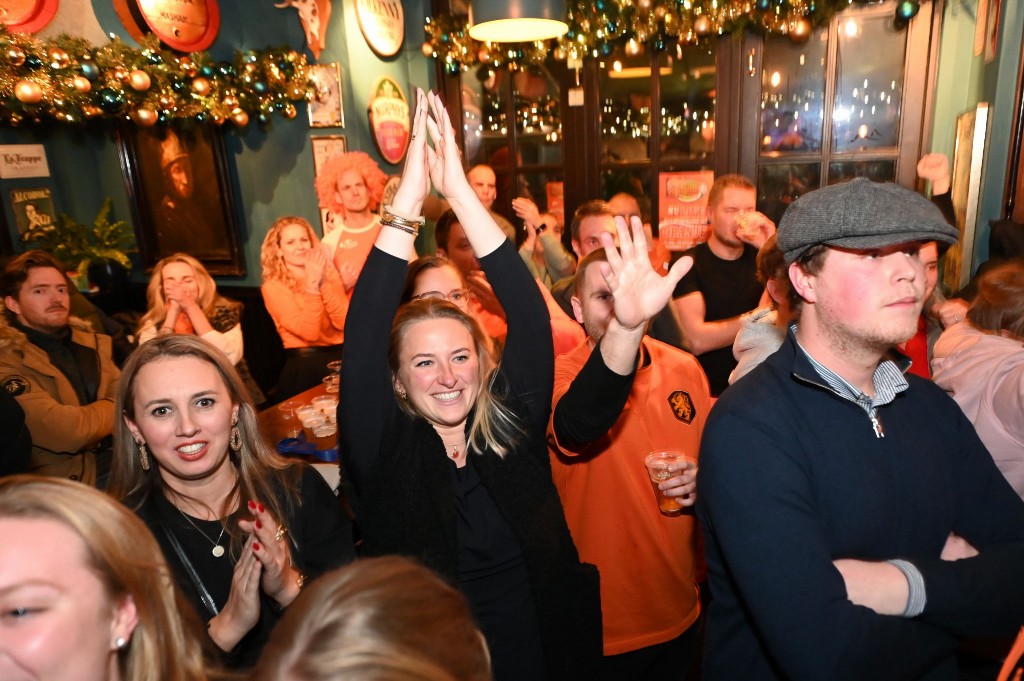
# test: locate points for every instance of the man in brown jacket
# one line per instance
(59, 371)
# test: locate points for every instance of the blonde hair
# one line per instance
(270, 253)
(728, 182)
(123, 554)
(262, 472)
(336, 166)
(156, 303)
(494, 425)
(377, 618)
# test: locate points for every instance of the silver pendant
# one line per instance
(218, 551)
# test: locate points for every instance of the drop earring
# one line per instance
(143, 455)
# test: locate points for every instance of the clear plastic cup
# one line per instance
(288, 408)
(331, 383)
(658, 469)
(325, 404)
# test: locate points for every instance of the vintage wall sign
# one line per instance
(389, 119)
(23, 160)
(27, 16)
(313, 15)
(382, 23)
(185, 25)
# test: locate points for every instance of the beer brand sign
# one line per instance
(389, 119)
(382, 23)
(683, 208)
(184, 25)
(27, 16)
(23, 160)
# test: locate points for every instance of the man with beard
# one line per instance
(855, 526)
(58, 369)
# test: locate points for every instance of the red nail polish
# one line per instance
(252, 505)
(255, 546)
(260, 508)
(259, 525)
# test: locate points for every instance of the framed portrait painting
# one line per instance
(178, 185)
(325, 111)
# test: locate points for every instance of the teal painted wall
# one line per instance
(965, 80)
(272, 169)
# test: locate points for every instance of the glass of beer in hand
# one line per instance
(661, 466)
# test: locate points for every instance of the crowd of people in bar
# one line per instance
(781, 454)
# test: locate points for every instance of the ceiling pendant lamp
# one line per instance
(516, 21)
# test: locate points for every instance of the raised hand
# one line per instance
(444, 160)
(638, 291)
(683, 484)
(415, 183)
(527, 210)
(935, 169)
(241, 611)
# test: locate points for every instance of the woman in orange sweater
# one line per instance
(306, 299)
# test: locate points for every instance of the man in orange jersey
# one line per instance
(617, 397)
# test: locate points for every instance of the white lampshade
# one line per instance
(516, 21)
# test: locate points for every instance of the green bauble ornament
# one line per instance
(907, 10)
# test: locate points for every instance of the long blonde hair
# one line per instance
(263, 474)
(156, 304)
(377, 618)
(123, 554)
(271, 259)
(494, 425)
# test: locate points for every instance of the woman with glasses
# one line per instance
(434, 276)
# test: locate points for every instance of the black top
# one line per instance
(487, 526)
(730, 288)
(321, 536)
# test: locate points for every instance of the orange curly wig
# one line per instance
(336, 166)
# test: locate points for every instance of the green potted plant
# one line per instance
(96, 253)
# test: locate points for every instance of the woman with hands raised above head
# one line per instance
(241, 527)
(449, 463)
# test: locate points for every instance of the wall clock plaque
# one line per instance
(382, 23)
(27, 16)
(184, 25)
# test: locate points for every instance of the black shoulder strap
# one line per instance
(204, 594)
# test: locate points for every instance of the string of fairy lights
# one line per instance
(69, 80)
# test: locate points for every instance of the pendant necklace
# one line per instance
(218, 550)
(455, 453)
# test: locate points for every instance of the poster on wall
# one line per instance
(326, 111)
(389, 119)
(683, 208)
(382, 23)
(23, 160)
(325, 146)
(32, 208)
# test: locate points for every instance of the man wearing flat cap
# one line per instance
(855, 525)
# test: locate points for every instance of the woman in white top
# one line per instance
(182, 298)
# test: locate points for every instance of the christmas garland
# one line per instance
(66, 79)
(597, 27)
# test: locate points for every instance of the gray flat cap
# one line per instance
(861, 214)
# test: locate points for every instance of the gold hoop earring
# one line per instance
(235, 441)
(143, 455)
(401, 392)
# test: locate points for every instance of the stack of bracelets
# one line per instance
(408, 225)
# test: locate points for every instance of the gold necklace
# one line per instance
(218, 550)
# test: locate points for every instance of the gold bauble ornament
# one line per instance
(16, 56)
(91, 111)
(633, 48)
(121, 74)
(702, 25)
(166, 101)
(427, 49)
(296, 93)
(28, 92)
(800, 31)
(59, 59)
(81, 84)
(144, 117)
(187, 65)
(217, 119)
(240, 118)
(201, 86)
(484, 55)
(139, 80)
(289, 111)
(231, 103)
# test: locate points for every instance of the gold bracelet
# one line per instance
(391, 214)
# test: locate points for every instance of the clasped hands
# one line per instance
(265, 564)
